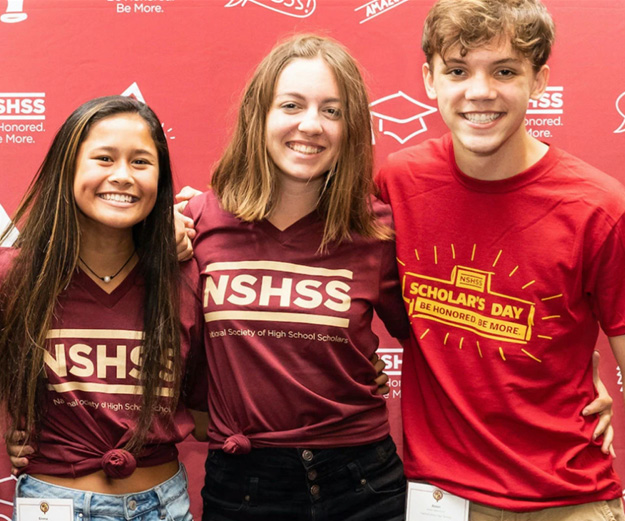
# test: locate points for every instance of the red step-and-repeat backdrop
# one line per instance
(189, 60)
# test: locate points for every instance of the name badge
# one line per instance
(428, 503)
(44, 509)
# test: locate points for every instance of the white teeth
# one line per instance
(120, 198)
(305, 149)
(481, 118)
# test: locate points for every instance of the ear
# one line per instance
(541, 80)
(428, 80)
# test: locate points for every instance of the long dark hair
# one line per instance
(48, 249)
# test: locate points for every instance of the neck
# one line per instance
(105, 254)
(294, 202)
(504, 163)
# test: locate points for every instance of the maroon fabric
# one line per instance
(118, 463)
(92, 366)
(504, 282)
(288, 330)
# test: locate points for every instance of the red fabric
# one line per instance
(92, 369)
(504, 282)
(288, 330)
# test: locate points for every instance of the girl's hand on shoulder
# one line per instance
(185, 230)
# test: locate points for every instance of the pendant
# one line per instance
(106, 279)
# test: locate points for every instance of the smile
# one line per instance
(481, 118)
(305, 149)
(119, 198)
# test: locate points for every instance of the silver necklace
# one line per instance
(108, 278)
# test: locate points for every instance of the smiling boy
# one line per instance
(511, 254)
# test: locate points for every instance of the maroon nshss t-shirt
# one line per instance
(92, 365)
(288, 330)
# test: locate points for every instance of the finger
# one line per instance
(191, 233)
(18, 463)
(382, 379)
(603, 425)
(599, 405)
(19, 451)
(184, 249)
(596, 358)
(18, 437)
(181, 219)
(383, 390)
(182, 223)
(379, 366)
(608, 438)
(187, 193)
(612, 452)
(179, 207)
(374, 358)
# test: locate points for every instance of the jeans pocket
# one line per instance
(226, 494)
(386, 473)
(388, 479)
(179, 508)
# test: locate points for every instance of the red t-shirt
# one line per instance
(504, 283)
(288, 330)
(92, 367)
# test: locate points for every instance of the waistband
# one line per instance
(126, 506)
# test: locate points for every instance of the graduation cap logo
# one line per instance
(14, 12)
(135, 92)
(400, 116)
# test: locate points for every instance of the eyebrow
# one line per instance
(498, 62)
(299, 96)
(106, 148)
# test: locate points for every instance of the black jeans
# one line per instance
(363, 483)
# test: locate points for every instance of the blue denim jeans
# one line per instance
(363, 483)
(168, 501)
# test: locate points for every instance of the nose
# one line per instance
(310, 122)
(121, 174)
(479, 87)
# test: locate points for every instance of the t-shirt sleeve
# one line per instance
(605, 283)
(380, 181)
(390, 306)
(195, 383)
(195, 207)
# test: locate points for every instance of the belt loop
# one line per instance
(161, 502)
(253, 489)
(356, 472)
(86, 507)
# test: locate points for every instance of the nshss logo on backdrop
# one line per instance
(545, 113)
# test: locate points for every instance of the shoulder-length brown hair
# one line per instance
(245, 178)
(48, 249)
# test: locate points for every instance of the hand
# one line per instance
(200, 418)
(382, 379)
(18, 452)
(185, 231)
(601, 405)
